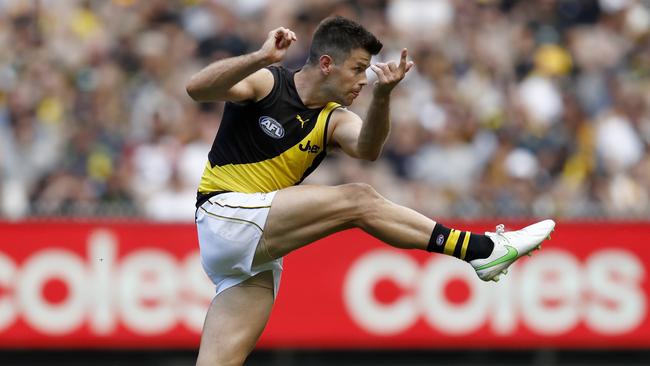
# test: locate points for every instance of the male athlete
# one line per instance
(276, 128)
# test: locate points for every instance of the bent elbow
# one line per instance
(373, 157)
(370, 156)
(367, 153)
(198, 91)
(192, 90)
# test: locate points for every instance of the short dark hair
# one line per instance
(337, 37)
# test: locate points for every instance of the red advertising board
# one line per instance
(140, 285)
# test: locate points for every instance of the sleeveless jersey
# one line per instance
(266, 145)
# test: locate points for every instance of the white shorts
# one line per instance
(230, 225)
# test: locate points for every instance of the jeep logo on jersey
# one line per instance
(309, 148)
(271, 127)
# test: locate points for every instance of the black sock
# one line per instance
(457, 243)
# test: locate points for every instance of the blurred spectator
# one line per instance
(534, 108)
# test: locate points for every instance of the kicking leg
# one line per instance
(235, 321)
(302, 214)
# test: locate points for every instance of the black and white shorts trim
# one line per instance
(230, 226)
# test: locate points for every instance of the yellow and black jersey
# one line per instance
(266, 145)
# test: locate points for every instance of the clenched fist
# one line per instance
(277, 43)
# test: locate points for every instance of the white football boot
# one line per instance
(510, 246)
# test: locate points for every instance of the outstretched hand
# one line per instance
(390, 74)
(277, 43)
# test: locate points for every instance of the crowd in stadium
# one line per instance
(514, 108)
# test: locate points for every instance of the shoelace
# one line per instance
(500, 229)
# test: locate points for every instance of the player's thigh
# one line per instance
(302, 214)
(235, 320)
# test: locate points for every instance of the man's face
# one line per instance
(348, 78)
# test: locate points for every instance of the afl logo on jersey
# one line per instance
(271, 127)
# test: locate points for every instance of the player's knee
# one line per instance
(364, 202)
(359, 194)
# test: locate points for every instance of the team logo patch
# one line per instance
(271, 127)
(440, 239)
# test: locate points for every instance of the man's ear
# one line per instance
(326, 64)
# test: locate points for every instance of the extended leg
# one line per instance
(303, 214)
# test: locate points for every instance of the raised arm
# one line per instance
(364, 139)
(243, 77)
